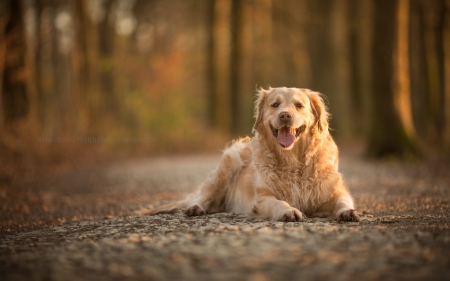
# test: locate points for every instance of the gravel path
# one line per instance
(404, 233)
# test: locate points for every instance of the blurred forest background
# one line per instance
(86, 77)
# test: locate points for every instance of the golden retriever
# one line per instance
(287, 171)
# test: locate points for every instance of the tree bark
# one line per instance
(14, 94)
(433, 23)
(418, 69)
(446, 44)
(106, 55)
(340, 92)
(34, 123)
(222, 10)
(88, 44)
(402, 90)
(263, 39)
(392, 132)
(330, 54)
(210, 65)
(301, 76)
(362, 65)
(3, 21)
(235, 60)
(247, 85)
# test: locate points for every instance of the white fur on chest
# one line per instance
(291, 186)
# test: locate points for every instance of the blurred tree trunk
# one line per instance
(236, 60)
(319, 46)
(78, 73)
(222, 106)
(122, 57)
(107, 36)
(88, 40)
(290, 44)
(361, 60)
(330, 54)
(14, 95)
(246, 82)
(418, 69)
(433, 22)
(402, 90)
(120, 81)
(34, 124)
(263, 41)
(392, 132)
(446, 44)
(282, 45)
(4, 18)
(45, 70)
(301, 64)
(210, 67)
(340, 94)
(81, 68)
(52, 57)
(62, 63)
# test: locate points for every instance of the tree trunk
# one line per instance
(247, 85)
(88, 40)
(106, 54)
(402, 90)
(263, 41)
(418, 70)
(340, 92)
(329, 49)
(392, 132)
(222, 10)
(235, 60)
(34, 123)
(14, 95)
(301, 64)
(3, 21)
(433, 23)
(446, 44)
(362, 65)
(210, 65)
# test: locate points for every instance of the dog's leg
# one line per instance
(211, 196)
(270, 207)
(340, 205)
(344, 209)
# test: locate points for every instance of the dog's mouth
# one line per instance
(285, 135)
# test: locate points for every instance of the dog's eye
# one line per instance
(275, 105)
(298, 105)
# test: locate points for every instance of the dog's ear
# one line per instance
(320, 111)
(261, 97)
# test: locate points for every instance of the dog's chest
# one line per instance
(295, 179)
(299, 186)
(285, 180)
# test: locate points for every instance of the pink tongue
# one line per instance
(285, 137)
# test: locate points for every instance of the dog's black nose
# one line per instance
(285, 116)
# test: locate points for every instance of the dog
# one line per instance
(288, 170)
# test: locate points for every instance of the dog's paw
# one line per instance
(195, 210)
(292, 215)
(349, 215)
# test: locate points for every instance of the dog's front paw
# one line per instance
(195, 210)
(292, 215)
(349, 215)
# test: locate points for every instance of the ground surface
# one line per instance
(83, 226)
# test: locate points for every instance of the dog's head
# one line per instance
(288, 114)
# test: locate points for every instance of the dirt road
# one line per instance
(83, 226)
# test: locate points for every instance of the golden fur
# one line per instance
(289, 169)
